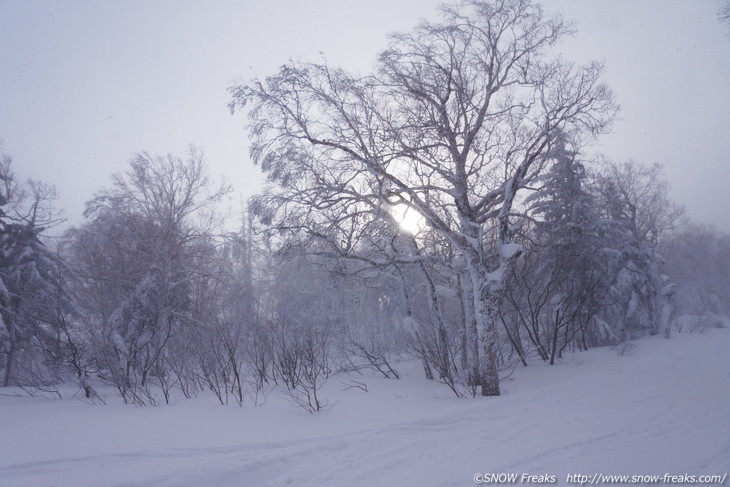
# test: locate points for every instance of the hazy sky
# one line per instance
(86, 84)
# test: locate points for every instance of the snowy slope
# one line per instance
(665, 408)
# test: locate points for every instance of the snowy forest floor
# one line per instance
(662, 408)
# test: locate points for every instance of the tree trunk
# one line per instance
(515, 341)
(427, 370)
(556, 330)
(9, 362)
(487, 303)
(471, 350)
(486, 311)
(463, 326)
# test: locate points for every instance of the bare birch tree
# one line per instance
(454, 120)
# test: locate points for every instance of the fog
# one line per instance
(86, 85)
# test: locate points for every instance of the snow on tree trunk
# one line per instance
(487, 302)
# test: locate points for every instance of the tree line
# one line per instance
(525, 247)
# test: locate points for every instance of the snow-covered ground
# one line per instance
(663, 408)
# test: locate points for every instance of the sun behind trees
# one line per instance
(456, 118)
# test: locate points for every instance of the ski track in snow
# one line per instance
(662, 409)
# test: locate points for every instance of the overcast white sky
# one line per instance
(86, 84)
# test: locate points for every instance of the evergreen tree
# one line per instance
(635, 213)
(32, 296)
(571, 263)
